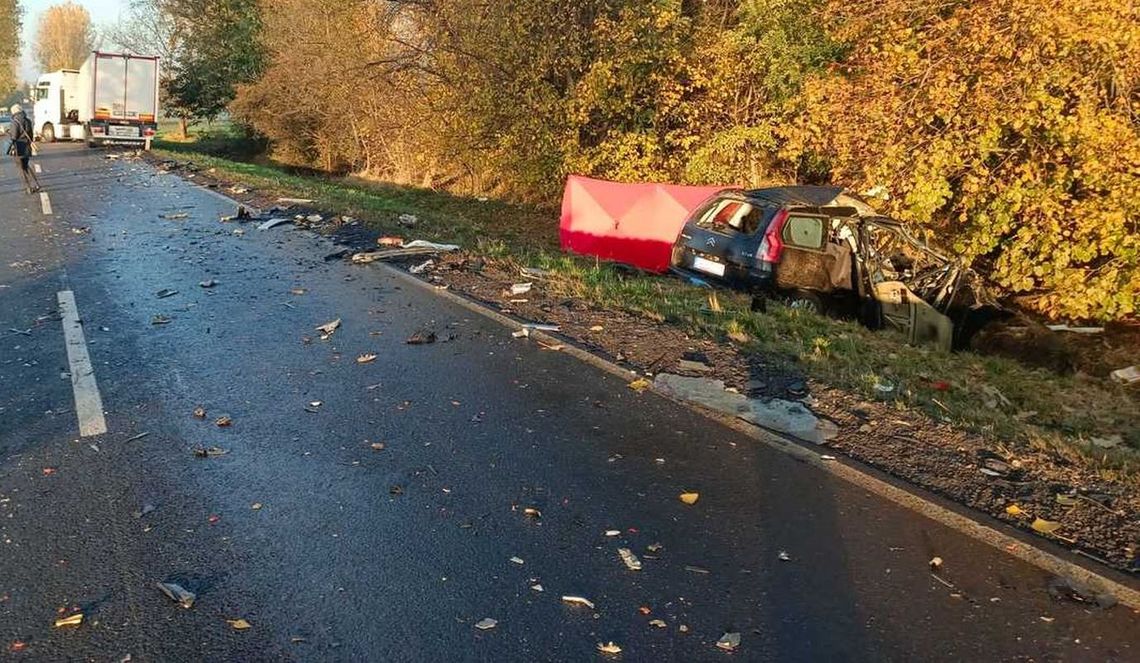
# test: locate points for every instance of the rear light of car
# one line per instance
(772, 246)
(148, 132)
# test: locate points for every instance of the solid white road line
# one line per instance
(36, 167)
(88, 402)
(45, 202)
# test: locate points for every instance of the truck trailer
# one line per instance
(111, 98)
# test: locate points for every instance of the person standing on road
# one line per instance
(20, 146)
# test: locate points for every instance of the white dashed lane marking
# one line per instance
(88, 402)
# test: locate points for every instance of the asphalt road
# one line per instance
(354, 553)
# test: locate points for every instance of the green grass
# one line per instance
(1045, 410)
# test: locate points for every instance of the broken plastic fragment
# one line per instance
(537, 588)
(578, 600)
(659, 623)
(521, 288)
(200, 412)
(486, 624)
(73, 620)
(784, 556)
(935, 564)
(532, 512)
(728, 641)
(366, 358)
(609, 648)
(517, 560)
(630, 559)
(613, 532)
(690, 498)
(239, 624)
(329, 327)
(178, 594)
(207, 284)
(223, 421)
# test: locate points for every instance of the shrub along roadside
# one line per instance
(1045, 409)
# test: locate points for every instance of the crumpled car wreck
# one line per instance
(821, 248)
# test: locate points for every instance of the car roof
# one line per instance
(810, 196)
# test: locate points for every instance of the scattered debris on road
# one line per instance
(640, 385)
(578, 600)
(609, 648)
(223, 421)
(1072, 590)
(160, 320)
(273, 223)
(208, 284)
(165, 292)
(178, 594)
(935, 564)
(783, 556)
(407, 220)
(728, 641)
(690, 498)
(486, 624)
(328, 329)
(422, 337)
(366, 358)
(209, 452)
(630, 559)
(239, 624)
(199, 412)
(73, 620)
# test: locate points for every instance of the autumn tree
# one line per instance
(64, 37)
(9, 44)
(1005, 128)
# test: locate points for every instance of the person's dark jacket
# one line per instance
(20, 128)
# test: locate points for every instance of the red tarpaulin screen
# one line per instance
(630, 223)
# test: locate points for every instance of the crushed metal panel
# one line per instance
(907, 312)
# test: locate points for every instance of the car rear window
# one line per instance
(728, 215)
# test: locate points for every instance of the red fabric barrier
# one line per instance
(635, 224)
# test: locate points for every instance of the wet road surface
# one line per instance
(334, 550)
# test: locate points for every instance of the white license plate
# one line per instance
(708, 266)
(123, 132)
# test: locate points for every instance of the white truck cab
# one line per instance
(112, 98)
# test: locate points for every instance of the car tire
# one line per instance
(805, 300)
(48, 133)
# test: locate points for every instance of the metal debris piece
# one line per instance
(728, 641)
(578, 600)
(613, 532)
(532, 512)
(631, 560)
(517, 560)
(537, 588)
(165, 292)
(207, 284)
(486, 624)
(784, 556)
(273, 223)
(178, 594)
(160, 319)
(659, 623)
(366, 358)
(223, 421)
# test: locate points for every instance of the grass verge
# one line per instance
(994, 396)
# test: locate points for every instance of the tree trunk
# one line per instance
(182, 128)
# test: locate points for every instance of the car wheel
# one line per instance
(803, 300)
(48, 133)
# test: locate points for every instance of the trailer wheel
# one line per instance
(48, 133)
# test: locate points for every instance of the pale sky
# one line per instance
(103, 12)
